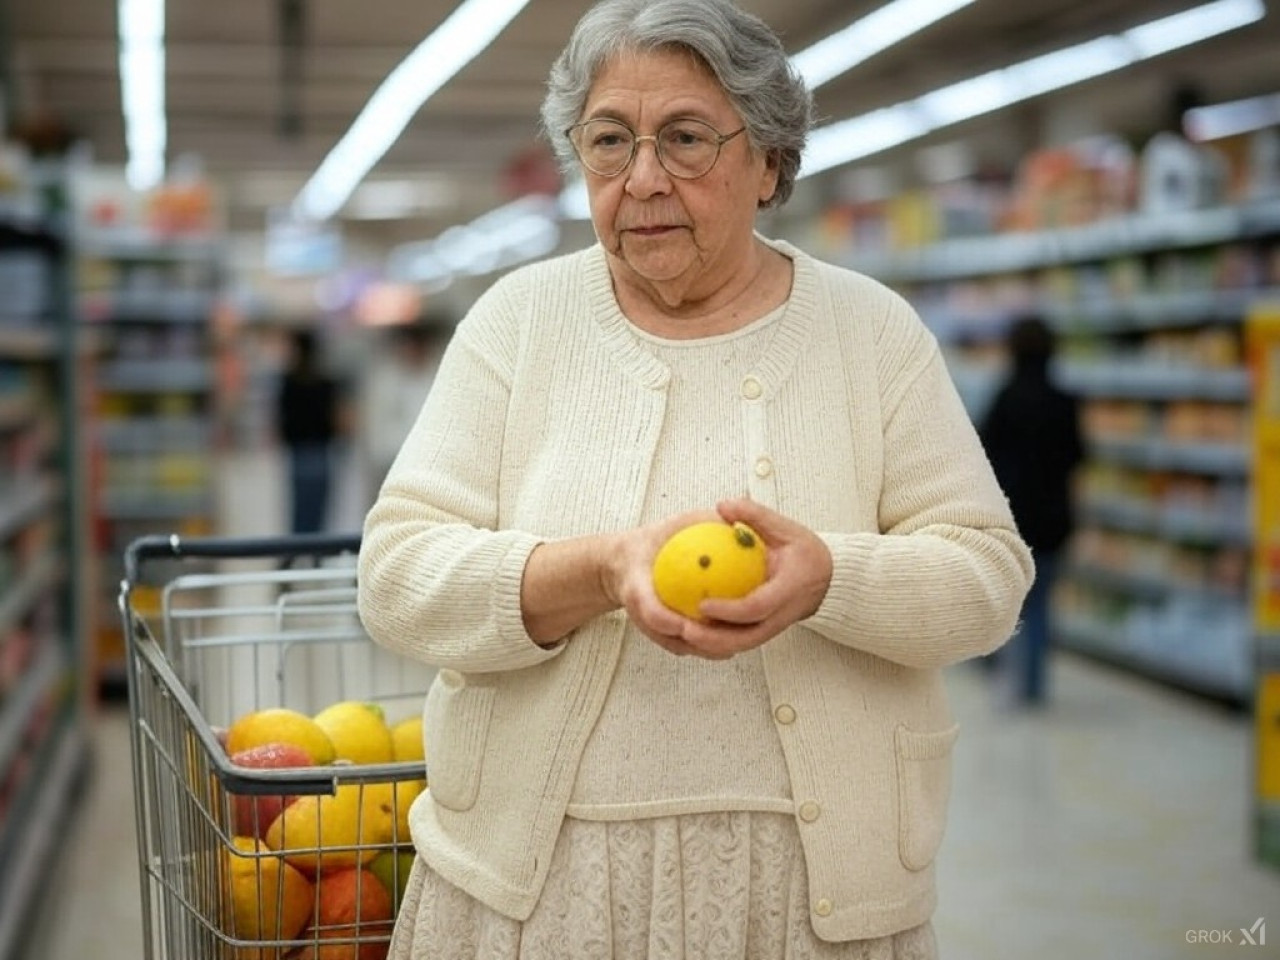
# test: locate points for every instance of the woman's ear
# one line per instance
(769, 177)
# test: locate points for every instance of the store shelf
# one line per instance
(1151, 453)
(1169, 522)
(150, 299)
(42, 534)
(1157, 587)
(1118, 237)
(1156, 311)
(34, 582)
(1205, 674)
(43, 677)
(25, 881)
(21, 500)
(1150, 309)
(1145, 380)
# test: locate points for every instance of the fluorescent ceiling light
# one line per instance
(466, 32)
(398, 199)
(518, 231)
(140, 29)
(1192, 26)
(858, 137)
(864, 38)
(1228, 119)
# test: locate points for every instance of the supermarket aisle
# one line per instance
(1113, 825)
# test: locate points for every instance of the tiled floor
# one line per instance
(1113, 825)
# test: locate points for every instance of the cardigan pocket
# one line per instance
(924, 787)
(457, 720)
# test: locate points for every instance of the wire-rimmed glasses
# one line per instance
(687, 148)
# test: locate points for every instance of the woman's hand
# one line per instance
(629, 581)
(799, 572)
(797, 578)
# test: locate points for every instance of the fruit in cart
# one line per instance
(330, 831)
(405, 792)
(711, 559)
(358, 731)
(352, 905)
(407, 742)
(269, 900)
(409, 745)
(253, 814)
(392, 867)
(280, 725)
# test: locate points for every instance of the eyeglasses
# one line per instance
(687, 149)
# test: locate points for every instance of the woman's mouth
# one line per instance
(650, 231)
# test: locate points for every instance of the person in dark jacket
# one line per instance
(1031, 433)
(307, 416)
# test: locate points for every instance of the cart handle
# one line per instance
(295, 545)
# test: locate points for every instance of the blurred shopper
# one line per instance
(395, 385)
(307, 417)
(610, 778)
(1031, 433)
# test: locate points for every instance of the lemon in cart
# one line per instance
(280, 725)
(409, 746)
(358, 731)
(344, 829)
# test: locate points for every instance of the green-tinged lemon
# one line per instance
(358, 730)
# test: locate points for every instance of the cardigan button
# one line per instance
(751, 388)
(785, 714)
(451, 678)
(810, 811)
(823, 907)
(764, 467)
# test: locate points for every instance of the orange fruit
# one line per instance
(270, 900)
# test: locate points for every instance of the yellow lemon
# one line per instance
(345, 829)
(279, 725)
(406, 791)
(406, 740)
(409, 746)
(711, 559)
(358, 730)
(269, 901)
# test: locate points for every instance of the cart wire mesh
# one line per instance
(220, 628)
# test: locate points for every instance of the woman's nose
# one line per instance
(646, 175)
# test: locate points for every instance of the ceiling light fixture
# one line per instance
(449, 48)
(140, 32)
(845, 141)
(864, 38)
(1229, 119)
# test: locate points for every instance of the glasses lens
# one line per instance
(604, 146)
(688, 148)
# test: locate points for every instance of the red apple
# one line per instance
(254, 813)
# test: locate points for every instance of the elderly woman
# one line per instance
(610, 778)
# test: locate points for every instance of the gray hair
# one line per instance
(742, 52)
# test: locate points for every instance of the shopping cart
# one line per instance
(217, 628)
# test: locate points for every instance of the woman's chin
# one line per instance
(657, 261)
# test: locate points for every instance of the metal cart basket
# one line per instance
(219, 628)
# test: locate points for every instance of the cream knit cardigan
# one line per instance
(542, 423)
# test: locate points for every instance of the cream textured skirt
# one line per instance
(707, 886)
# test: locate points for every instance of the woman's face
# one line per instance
(690, 234)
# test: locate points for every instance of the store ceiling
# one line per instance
(230, 104)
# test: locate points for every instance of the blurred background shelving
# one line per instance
(44, 700)
(148, 300)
